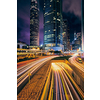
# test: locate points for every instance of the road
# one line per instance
(22, 72)
(59, 84)
(73, 61)
(62, 86)
(20, 64)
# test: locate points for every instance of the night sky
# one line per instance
(71, 11)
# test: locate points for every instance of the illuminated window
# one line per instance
(59, 36)
(52, 35)
(58, 19)
(57, 0)
(49, 13)
(47, 21)
(50, 5)
(58, 13)
(54, 18)
(54, 30)
(45, 37)
(46, 13)
(49, 36)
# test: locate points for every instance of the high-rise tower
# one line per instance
(53, 24)
(65, 34)
(34, 23)
(68, 39)
(82, 23)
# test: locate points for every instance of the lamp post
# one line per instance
(29, 74)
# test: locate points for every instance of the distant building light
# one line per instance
(58, 19)
(54, 18)
(54, 30)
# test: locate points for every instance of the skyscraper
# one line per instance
(75, 35)
(76, 43)
(53, 24)
(82, 23)
(34, 23)
(68, 39)
(65, 34)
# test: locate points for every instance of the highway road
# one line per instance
(62, 86)
(30, 68)
(73, 61)
(59, 84)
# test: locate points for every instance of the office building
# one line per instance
(65, 35)
(75, 35)
(68, 39)
(53, 25)
(76, 43)
(82, 23)
(34, 23)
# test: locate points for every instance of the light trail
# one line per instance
(67, 86)
(23, 69)
(62, 80)
(57, 89)
(77, 87)
(61, 88)
(73, 61)
(23, 74)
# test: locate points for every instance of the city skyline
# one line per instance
(71, 12)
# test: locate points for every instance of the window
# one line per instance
(58, 13)
(47, 21)
(58, 19)
(54, 30)
(52, 35)
(54, 18)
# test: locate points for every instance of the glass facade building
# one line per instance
(34, 23)
(53, 24)
(65, 34)
(76, 44)
(68, 39)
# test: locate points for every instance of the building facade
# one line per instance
(53, 25)
(65, 34)
(76, 43)
(34, 23)
(82, 23)
(68, 39)
(75, 35)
